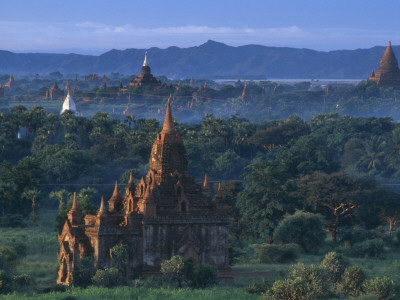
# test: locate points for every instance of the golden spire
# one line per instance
(168, 126)
(219, 192)
(116, 191)
(74, 205)
(205, 184)
(130, 178)
(102, 207)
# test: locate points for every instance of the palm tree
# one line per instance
(375, 151)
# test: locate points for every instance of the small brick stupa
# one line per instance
(145, 78)
(167, 213)
(388, 73)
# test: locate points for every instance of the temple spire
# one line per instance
(145, 60)
(205, 184)
(219, 191)
(74, 205)
(116, 191)
(102, 209)
(168, 126)
(130, 178)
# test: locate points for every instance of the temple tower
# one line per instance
(388, 73)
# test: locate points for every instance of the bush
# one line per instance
(82, 276)
(108, 278)
(174, 269)
(270, 253)
(12, 220)
(314, 276)
(8, 255)
(382, 288)
(372, 248)
(23, 280)
(5, 282)
(334, 264)
(258, 287)
(20, 249)
(303, 229)
(205, 275)
(293, 289)
(353, 280)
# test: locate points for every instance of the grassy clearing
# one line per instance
(140, 293)
(41, 263)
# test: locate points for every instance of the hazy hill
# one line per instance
(211, 60)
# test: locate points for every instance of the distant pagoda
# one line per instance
(69, 104)
(388, 73)
(145, 78)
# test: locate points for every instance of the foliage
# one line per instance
(371, 248)
(353, 280)
(270, 253)
(82, 276)
(110, 277)
(335, 264)
(5, 282)
(205, 275)
(119, 256)
(258, 287)
(382, 288)
(315, 276)
(23, 280)
(173, 269)
(293, 289)
(303, 229)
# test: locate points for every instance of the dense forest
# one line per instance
(289, 179)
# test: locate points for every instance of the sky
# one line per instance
(97, 26)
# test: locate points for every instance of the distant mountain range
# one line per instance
(209, 60)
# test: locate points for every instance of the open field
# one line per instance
(41, 264)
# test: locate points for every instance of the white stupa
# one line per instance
(69, 104)
(145, 64)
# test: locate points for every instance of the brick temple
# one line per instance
(388, 73)
(145, 77)
(165, 214)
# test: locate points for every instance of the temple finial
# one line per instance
(168, 125)
(116, 191)
(145, 60)
(389, 44)
(102, 207)
(130, 178)
(219, 191)
(205, 184)
(74, 205)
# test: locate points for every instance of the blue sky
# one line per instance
(93, 27)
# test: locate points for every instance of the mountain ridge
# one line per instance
(209, 60)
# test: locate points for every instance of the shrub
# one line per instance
(293, 289)
(205, 275)
(8, 255)
(5, 282)
(12, 220)
(173, 269)
(270, 253)
(353, 280)
(303, 229)
(334, 264)
(20, 249)
(108, 278)
(382, 288)
(23, 280)
(313, 275)
(82, 276)
(372, 248)
(258, 287)
(119, 254)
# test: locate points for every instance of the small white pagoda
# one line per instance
(69, 104)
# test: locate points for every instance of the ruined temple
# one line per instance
(167, 213)
(388, 73)
(55, 92)
(10, 84)
(145, 77)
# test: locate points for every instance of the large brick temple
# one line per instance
(165, 214)
(388, 73)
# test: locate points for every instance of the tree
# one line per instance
(265, 198)
(32, 195)
(301, 228)
(174, 269)
(119, 256)
(334, 196)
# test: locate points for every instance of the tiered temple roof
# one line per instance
(388, 73)
(145, 77)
